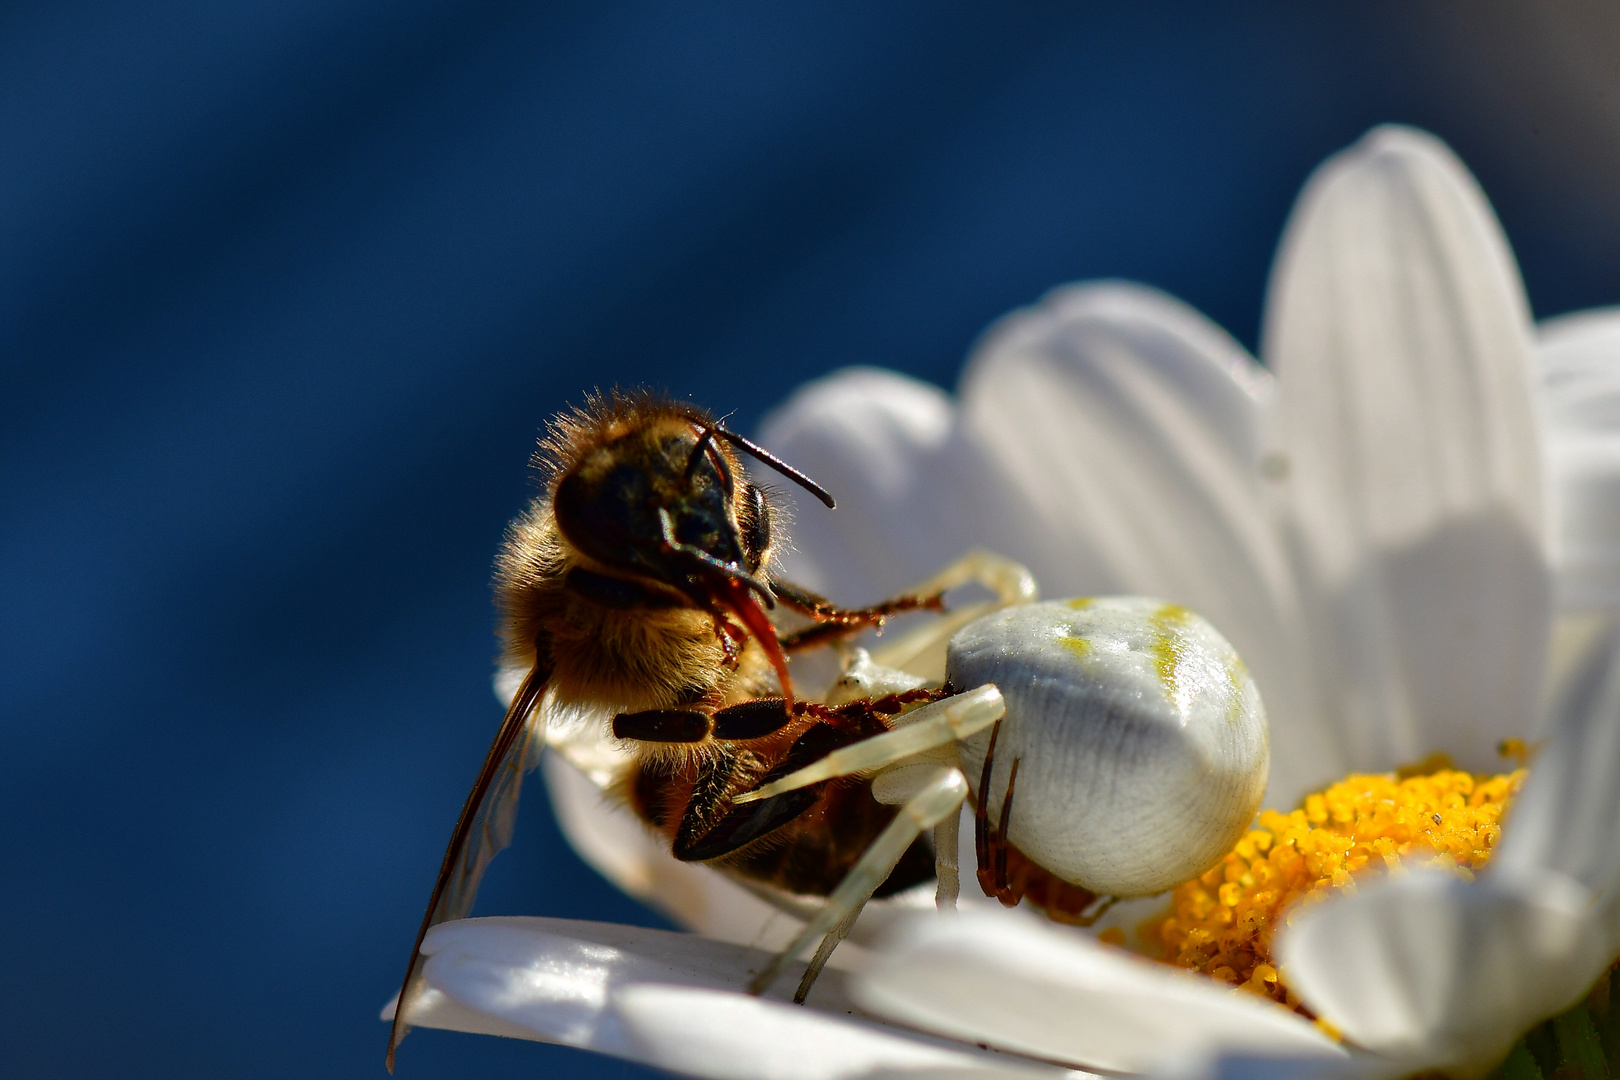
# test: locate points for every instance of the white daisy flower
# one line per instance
(1388, 520)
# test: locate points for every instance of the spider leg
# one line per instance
(922, 651)
(936, 796)
(1008, 895)
(935, 725)
(981, 818)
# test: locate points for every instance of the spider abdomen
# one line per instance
(1140, 738)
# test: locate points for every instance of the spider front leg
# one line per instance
(922, 651)
(932, 798)
(834, 624)
(930, 793)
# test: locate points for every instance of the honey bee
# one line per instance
(638, 584)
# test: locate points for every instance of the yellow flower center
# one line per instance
(1223, 922)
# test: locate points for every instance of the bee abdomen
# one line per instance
(815, 853)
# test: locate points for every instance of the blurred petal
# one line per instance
(1580, 382)
(1107, 439)
(912, 494)
(660, 998)
(1399, 332)
(1029, 987)
(1563, 822)
(1439, 973)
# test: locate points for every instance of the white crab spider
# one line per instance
(1140, 735)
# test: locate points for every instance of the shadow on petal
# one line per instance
(1441, 973)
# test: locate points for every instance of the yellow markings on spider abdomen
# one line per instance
(1077, 645)
(1170, 649)
(1237, 676)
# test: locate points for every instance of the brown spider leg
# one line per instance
(1008, 896)
(863, 718)
(835, 623)
(981, 817)
(872, 716)
(1088, 920)
(729, 636)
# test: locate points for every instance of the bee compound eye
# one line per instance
(1141, 737)
(756, 525)
(611, 517)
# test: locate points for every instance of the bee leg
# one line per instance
(930, 799)
(834, 623)
(701, 837)
(663, 725)
(752, 719)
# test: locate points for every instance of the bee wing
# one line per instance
(482, 830)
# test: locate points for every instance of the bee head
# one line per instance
(659, 493)
(661, 501)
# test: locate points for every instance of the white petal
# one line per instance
(660, 998)
(1399, 332)
(1564, 819)
(741, 1036)
(1027, 986)
(1131, 426)
(432, 1009)
(1107, 439)
(911, 493)
(1437, 972)
(1580, 379)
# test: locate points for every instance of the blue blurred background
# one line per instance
(286, 290)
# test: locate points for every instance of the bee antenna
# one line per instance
(755, 450)
(697, 456)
